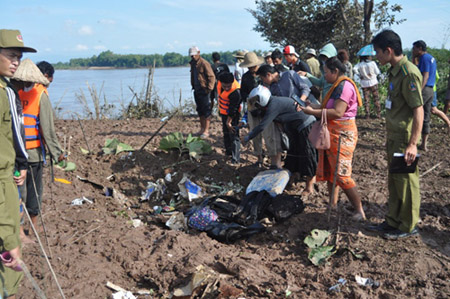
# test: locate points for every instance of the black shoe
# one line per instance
(383, 227)
(398, 234)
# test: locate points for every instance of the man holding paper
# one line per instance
(404, 120)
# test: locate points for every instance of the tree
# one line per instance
(313, 23)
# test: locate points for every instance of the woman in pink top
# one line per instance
(341, 104)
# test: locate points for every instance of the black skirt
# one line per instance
(302, 156)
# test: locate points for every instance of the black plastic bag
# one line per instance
(230, 232)
(252, 207)
(284, 206)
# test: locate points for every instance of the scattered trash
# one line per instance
(80, 201)
(111, 178)
(200, 278)
(337, 287)
(157, 210)
(318, 252)
(188, 189)
(168, 178)
(164, 118)
(273, 181)
(177, 222)
(159, 188)
(109, 191)
(201, 218)
(168, 209)
(369, 282)
(123, 295)
(137, 222)
(120, 292)
(63, 181)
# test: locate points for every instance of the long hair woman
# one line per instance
(341, 104)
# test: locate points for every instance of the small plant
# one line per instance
(195, 146)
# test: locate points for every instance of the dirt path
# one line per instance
(96, 243)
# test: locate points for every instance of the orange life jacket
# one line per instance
(31, 104)
(224, 101)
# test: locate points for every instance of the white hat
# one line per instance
(263, 94)
(312, 52)
(29, 72)
(194, 51)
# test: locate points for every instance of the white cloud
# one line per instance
(100, 47)
(85, 30)
(214, 44)
(81, 47)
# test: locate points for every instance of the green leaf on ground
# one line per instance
(317, 238)
(319, 255)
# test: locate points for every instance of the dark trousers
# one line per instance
(33, 183)
(230, 139)
(428, 95)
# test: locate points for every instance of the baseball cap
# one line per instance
(13, 39)
(194, 51)
(288, 50)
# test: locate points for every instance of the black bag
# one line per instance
(284, 206)
(230, 232)
(252, 207)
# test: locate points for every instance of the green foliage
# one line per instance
(313, 23)
(114, 146)
(195, 146)
(318, 251)
(171, 59)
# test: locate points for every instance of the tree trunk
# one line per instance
(368, 9)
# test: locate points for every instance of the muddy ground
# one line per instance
(95, 243)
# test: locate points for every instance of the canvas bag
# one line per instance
(319, 136)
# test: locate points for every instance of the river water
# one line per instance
(68, 85)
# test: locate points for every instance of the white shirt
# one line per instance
(367, 71)
(239, 71)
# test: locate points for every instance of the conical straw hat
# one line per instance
(29, 72)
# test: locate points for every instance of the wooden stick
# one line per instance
(84, 235)
(157, 131)
(45, 254)
(114, 287)
(431, 169)
(84, 135)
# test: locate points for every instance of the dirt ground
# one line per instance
(93, 244)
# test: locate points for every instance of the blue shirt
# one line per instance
(427, 63)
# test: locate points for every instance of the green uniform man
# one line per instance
(404, 119)
(11, 49)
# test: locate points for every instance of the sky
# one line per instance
(61, 29)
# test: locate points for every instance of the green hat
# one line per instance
(13, 39)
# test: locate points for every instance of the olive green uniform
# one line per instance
(405, 81)
(9, 197)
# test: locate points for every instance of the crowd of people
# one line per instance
(275, 100)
